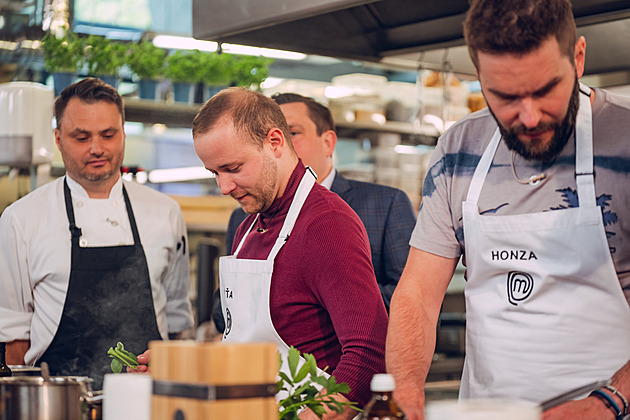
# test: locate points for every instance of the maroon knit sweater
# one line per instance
(324, 297)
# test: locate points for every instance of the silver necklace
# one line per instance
(533, 180)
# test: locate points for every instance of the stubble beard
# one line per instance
(82, 173)
(562, 133)
(265, 195)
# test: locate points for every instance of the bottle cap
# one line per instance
(382, 382)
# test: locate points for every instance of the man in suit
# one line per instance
(386, 212)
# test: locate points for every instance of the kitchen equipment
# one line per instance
(213, 380)
(485, 409)
(23, 370)
(55, 398)
(26, 134)
(127, 397)
(580, 392)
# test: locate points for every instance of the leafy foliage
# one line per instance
(62, 54)
(146, 60)
(250, 70)
(121, 357)
(302, 392)
(103, 56)
(219, 69)
(185, 66)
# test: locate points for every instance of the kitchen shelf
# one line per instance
(160, 112)
(181, 115)
(397, 127)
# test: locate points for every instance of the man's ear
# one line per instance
(58, 138)
(330, 141)
(580, 56)
(277, 142)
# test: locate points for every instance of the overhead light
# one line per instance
(271, 82)
(192, 173)
(265, 52)
(183, 43)
(187, 43)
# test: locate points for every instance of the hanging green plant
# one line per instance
(146, 60)
(62, 54)
(103, 57)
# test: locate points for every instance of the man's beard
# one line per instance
(561, 135)
(264, 195)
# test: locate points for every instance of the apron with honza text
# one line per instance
(246, 283)
(109, 299)
(545, 311)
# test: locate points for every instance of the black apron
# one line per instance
(109, 299)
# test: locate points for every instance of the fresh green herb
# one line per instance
(303, 393)
(121, 357)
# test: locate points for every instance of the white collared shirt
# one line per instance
(36, 250)
(328, 181)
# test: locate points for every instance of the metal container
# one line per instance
(22, 370)
(56, 398)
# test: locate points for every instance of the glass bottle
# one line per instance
(382, 406)
(4, 369)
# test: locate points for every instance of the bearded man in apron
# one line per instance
(526, 192)
(302, 274)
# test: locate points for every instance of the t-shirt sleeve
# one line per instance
(436, 230)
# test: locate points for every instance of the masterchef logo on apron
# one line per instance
(519, 286)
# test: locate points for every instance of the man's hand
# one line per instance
(590, 408)
(348, 413)
(143, 363)
(16, 350)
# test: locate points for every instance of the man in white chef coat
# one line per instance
(89, 259)
(531, 193)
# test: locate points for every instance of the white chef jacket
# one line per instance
(35, 256)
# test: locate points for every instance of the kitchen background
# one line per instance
(394, 73)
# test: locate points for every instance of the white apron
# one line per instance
(544, 308)
(245, 285)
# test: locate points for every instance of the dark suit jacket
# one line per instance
(389, 219)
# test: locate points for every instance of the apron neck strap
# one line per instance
(584, 150)
(307, 182)
(76, 231)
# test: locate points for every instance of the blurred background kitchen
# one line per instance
(394, 76)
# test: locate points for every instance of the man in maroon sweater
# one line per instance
(302, 274)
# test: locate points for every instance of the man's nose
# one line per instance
(96, 148)
(225, 183)
(529, 113)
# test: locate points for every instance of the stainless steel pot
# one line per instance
(22, 370)
(54, 398)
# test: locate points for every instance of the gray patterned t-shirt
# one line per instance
(439, 228)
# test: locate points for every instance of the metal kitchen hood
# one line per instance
(400, 32)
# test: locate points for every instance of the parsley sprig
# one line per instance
(302, 392)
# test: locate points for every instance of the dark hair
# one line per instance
(518, 26)
(88, 90)
(318, 113)
(252, 113)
